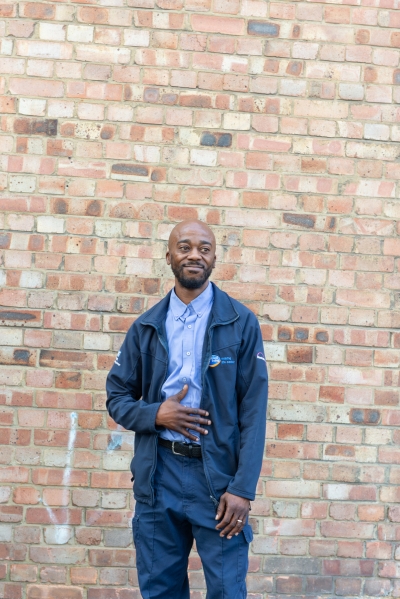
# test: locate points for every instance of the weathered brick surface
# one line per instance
(276, 123)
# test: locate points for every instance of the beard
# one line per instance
(193, 282)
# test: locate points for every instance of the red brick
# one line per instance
(57, 592)
(26, 495)
(55, 516)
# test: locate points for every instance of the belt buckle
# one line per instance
(176, 452)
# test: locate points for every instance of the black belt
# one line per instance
(185, 449)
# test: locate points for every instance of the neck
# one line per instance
(188, 295)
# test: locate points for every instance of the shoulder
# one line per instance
(146, 318)
(243, 311)
(246, 316)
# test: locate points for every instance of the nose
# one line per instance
(194, 254)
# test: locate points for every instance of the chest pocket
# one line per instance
(227, 335)
(225, 345)
(152, 344)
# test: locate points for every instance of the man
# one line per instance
(191, 381)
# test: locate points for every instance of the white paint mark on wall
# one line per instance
(60, 535)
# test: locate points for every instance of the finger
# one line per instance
(221, 508)
(227, 517)
(179, 396)
(188, 420)
(193, 411)
(228, 526)
(198, 429)
(187, 434)
(198, 420)
(194, 427)
(240, 522)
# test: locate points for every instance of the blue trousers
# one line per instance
(164, 534)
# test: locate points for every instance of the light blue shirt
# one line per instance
(185, 327)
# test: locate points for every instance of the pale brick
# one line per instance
(134, 37)
(22, 183)
(375, 131)
(32, 107)
(52, 50)
(203, 157)
(96, 341)
(80, 33)
(91, 112)
(236, 121)
(348, 91)
(50, 224)
(60, 109)
(52, 31)
(11, 337)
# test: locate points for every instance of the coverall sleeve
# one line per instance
(124, 389)
(252, 394)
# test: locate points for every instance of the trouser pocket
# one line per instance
(245, 538)
(136, 538)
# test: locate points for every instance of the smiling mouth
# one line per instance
(193, 267)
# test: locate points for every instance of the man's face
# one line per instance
(191, 254)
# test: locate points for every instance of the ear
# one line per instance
(168, 258)
(214, 261)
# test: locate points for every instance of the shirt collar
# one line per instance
(199, 305)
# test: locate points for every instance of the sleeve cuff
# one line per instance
(154, 407)
(241, 493)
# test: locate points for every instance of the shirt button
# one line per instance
(184, 380)
(188, 353)
(189, 326)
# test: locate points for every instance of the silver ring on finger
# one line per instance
(241, 521)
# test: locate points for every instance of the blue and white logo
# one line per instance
(214, 361)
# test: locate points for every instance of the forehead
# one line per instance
(194, 232)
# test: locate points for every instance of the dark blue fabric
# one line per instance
(164, 534)
(235, 394)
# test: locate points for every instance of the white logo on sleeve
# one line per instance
(116, 359)
(260, 356)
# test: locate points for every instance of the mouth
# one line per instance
(193, 270)
(194, 267)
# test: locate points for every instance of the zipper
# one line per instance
(205, 366)
(161, 340)
(204, 369)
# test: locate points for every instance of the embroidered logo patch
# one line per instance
(214, 361)
(260, 356)
(116, 359)
(227, 360)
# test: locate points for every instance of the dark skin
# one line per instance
(191, 251)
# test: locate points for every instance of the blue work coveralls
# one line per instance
(177, 496)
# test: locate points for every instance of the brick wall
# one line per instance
(278, 124)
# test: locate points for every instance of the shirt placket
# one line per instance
(188, 358)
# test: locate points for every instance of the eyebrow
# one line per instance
(189, 241)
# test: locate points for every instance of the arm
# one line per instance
(252, 393)
(124, 389)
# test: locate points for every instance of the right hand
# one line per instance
(171, 414)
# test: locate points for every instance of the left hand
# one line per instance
(231, 509)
